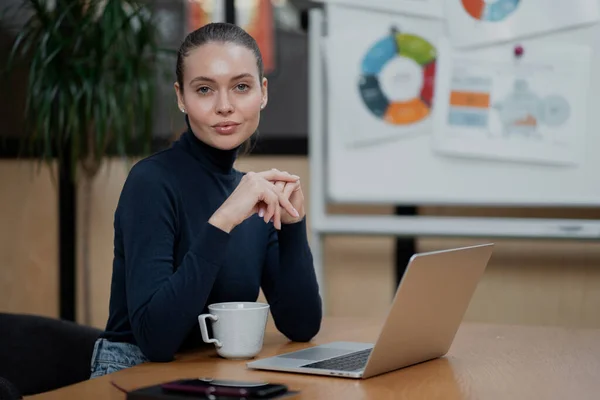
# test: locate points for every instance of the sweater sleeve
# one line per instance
(290, 285)
(163, 299)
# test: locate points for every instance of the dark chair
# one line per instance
(38, 354)
(8, 391)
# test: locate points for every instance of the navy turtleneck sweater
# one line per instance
(170, 263)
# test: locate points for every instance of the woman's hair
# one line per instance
(217, 32)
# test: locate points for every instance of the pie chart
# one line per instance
(490, 10)
(397, 78)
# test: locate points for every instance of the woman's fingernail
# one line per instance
(295, 177)
(296, 213)
(261, 213)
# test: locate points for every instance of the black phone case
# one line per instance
(156, 392)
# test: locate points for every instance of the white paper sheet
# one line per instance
(492, 105)
(480, 22)
(381, 77)
(423, 8)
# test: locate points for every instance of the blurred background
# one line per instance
(56, 232)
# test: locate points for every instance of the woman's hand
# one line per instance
(293, 192)
(256, 193)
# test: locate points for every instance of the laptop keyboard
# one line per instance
(347, 362)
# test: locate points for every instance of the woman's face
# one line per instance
(222, 94)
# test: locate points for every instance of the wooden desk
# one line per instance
(485, 362)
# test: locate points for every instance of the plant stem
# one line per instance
(86, 272)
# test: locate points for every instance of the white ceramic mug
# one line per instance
(238, 328)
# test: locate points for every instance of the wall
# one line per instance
(528, 281)
(28, 239)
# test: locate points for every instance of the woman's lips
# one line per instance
(226, 128)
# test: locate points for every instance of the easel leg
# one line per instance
(405, 247)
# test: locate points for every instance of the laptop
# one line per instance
(425, 314)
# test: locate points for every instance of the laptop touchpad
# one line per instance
(316, 353)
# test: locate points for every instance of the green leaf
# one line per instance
(92, 76)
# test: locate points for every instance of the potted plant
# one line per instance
(92, 73)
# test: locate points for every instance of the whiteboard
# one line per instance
(406, 169)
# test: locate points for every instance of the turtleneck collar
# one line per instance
(217, 160)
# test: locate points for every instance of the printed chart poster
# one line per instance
(481, 22)
(528, 110)
(423, 8)
(381, 77)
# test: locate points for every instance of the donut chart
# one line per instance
(410, 107)
(490, 10)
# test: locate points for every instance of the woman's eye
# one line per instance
(203, 89)
(242, 87)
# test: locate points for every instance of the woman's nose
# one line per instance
(224, 105)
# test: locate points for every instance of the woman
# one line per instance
(190, 230)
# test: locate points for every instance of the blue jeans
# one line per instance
(109, 357)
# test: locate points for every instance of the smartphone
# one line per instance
(218, 387)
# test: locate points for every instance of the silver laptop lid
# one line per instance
(428, 307)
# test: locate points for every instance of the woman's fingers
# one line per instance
(285, 203)
(277, 217)
(280, 185)
(275, 200)
(284, 197)
(290, 188)
(277, 188)
(262, 208)
(272, 203)
(276, 175)
(276, 195)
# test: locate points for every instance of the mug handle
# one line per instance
(204, 329)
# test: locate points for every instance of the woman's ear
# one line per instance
(179, 94)
(265, 93)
